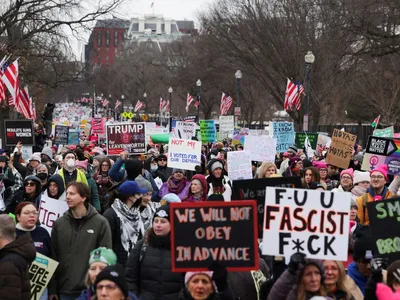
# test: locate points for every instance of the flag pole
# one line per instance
(94, 102)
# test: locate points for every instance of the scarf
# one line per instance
(191, 198)
(146, 216)
(372, 192)
(176, 186)
(129, 220)
(358, 190)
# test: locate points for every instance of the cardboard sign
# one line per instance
(309, 221)
(261, 148)
(301, 137)
(185, 130)
(284, 134)
(73, 137)
(98, 125)
(226, 125)
(339, 152)
(385, 132)
(40, 272)
(381, 151)
(61, 135)
(19, 131)
(239, 165)
(255, 189)
(214, 231)
(126, 136)
(184, 154)
(50, 210)
(208, 131)
(382, 216)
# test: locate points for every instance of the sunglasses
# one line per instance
(29, 183)
(162, 159)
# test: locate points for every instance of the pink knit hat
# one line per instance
(349, 172)
(81, 164)
(383, 169)
(189, 276)
(320, 164)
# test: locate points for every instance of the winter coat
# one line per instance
(148, 270)
(15, 259)
(182, 195)
(394, 186)
(202, 179)
(358, 278)
(41, 239)
(77, 175)
(164, 173)
(8, 181)
(24, 171)
(61, 188)
(21, 196)
(89, 293)
(227, 185)
(105, 185)
(73, 240)
(94, 192)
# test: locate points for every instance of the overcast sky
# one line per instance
(174, 9)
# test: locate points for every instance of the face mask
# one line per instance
(42, 176)
(153, 168)
(70, 163)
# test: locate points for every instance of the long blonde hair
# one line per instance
(302, 293)
(342, 283)
(264, 167)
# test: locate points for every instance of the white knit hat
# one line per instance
(360, 177)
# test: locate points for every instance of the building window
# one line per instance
(99, 39)
(108, 38)
(115, 38)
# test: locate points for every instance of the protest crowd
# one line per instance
(125, 210)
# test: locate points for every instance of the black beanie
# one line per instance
(363, 244)
(215, 197)
(116, 274)
(133, 168)
(162, 212)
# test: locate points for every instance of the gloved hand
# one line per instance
(295, 260)
(378, 264)
(220, 275)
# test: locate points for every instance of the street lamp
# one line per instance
(309, 59)
(170, 90)
(123, 107)
(198, 84)
(238, 76)
(145, 101)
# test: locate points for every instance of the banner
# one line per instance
(19, 131)
(239, 165)
(385, 228)
(313, 222)
(207, 131)
(261, 148)
(382, 151)
(226, 125)
(61, 135)
(185, 130)
(255, 189)
(126, 136)
(214, 231)
(284, 134)
(340, 150)
(184, 154)
(73, 137)
(98, 126)
(50, 210)
(301, 137)
(385, 132)
(40, 272)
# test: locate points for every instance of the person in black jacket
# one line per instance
(32, 190)
(7, 180)
(148, 270)
(47, 117)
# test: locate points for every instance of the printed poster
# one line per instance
(126, 136)
(283, 132)
(184, 154)
(40, 272)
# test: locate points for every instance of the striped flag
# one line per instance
(297, 99)
(292, 96)
(189, 100)
(105, 102)
(226, 103)
(11, 81)
(3, 66)
(376, 121)
(167, 106)
(163, 104)
(139, 106)
(197, 102)
(117, 104)
(23, 104)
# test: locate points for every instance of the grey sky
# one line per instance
(174, 9)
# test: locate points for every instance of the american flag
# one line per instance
(105, 102)
(3, 66)
(23, 105)
(118, 103)
(292, 96)
(11, 81)
(167, 106)
(197, 102)
(226, 103)
(139, 106)
(189, 100)
(163, 104)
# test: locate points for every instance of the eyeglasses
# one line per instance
(104, 165)
(27, 213)
(108, 287)
(323, 170)
(29, 183)
(346, 177)
(377, 177)
(364, 261)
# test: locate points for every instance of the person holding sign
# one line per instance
(217, 182)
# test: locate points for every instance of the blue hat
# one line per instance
(131, 188)
(170, 198)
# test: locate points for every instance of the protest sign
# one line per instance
(202, 233)
(173, 120)
(385, 132)
(184, 154)
(255, 189)
(41, 271)
(226, 125)
(258, 132)
(261, 148)
(301, 137)
(185, 130)
(385, 227)
(238, 135)
(239, 165)
(50, 210)
(284, 134)
(323, 140)
(313, 222)
(207, 131)
(26, 152)
(382, 151)
(340, 150)
(149, 127)
(61, 135)
(126, 136)
(98, 125)
(19, 131)
(73, 137)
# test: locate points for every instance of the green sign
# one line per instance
(301, 137)
(385, 132)
(208, 131)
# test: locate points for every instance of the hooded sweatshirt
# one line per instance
(204, 184)
(73, 240)
(21, 196)
(60, 183)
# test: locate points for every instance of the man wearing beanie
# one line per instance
(376, 192)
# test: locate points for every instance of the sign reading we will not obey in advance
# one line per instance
(309, 221)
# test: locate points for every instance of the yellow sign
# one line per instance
(130, 115)
(145, 117)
